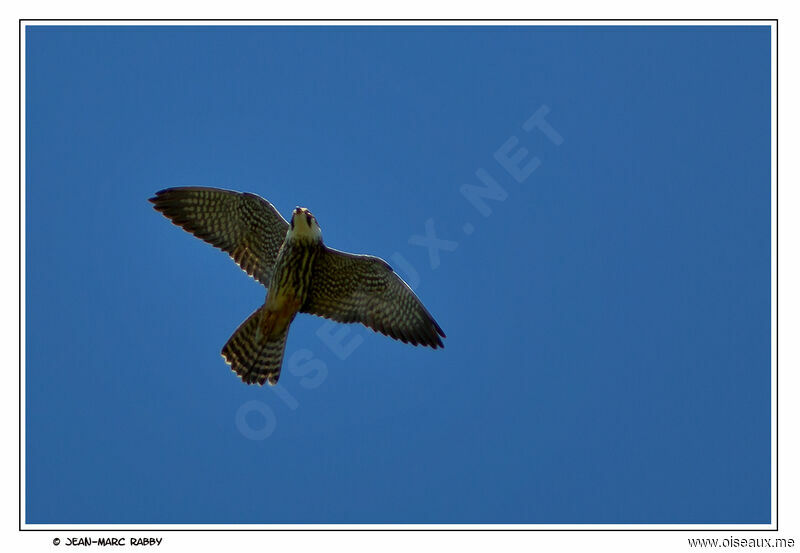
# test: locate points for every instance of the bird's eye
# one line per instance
(308, 218)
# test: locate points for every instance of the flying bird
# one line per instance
(301, 273)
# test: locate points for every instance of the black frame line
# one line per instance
(22, 23)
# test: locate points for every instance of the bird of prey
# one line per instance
(302, 275)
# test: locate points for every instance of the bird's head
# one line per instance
(304, 225)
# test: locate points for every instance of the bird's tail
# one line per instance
(254, 355)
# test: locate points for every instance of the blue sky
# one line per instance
(607, 357)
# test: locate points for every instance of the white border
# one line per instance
(565, 527)
(401, 22)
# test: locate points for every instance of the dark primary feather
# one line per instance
(361, 288)
(244, 225)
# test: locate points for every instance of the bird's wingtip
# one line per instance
(157, 196)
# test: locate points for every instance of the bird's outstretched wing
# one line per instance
(360, 288)
(245, 226)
